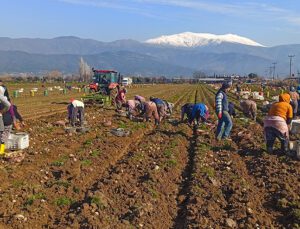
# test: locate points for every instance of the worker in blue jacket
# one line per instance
(199, 113)
(186, 109)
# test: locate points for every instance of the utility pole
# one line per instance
(274, 67)
(271, 68)
(266, 73)
(291, 58)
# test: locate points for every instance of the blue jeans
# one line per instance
(224, 126)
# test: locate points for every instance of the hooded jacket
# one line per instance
(282, 108)
(199, 110)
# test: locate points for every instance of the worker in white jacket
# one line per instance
(75, 112)
(6, 105)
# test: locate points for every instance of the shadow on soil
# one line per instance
(185, 187)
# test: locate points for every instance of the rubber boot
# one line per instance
(2, 149)
(285, 146)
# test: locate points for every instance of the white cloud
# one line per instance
(259, 10)
(100, 4)
(117, 4)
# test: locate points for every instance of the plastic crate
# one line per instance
(295, 129)
(18, 141)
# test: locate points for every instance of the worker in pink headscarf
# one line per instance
(133, 108)
(150, 110)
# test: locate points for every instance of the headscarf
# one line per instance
(2, 90)
(285, 98)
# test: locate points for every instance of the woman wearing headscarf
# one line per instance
(5, 107)
(276, 123)
(120, 98)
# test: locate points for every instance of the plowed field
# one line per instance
(171, 176)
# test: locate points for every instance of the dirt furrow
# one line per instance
(250, 193)
(184, 195)
(148, 172)
(122, 152)
(221, 191)
(59, 178)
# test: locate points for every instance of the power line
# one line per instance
(291, 58)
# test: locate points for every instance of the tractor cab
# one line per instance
(105, 80)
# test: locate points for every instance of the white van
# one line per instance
(126, 81)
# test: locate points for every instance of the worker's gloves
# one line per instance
(219, 115)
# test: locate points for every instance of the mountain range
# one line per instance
(174, 55)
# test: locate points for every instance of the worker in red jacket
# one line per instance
(120, 98)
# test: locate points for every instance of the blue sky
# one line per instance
(268, 22)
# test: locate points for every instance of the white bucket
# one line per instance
(18, 141)
(293, 145)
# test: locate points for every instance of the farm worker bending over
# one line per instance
(5, 107)
(168, 107)
(142, 100)
(132, 107)
(276, 123)
(294, 100)
(150, 110)
(76, 111)
(199, 112)
(6, 94)
(120, 98)
(161, 109)
(9, 120)
(249, 108)
(224, 120)
(186, 109)
(139, 98)
(298, 89)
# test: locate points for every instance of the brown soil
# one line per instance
(172, 176)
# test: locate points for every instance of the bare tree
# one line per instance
(85, 71)
(199, 75)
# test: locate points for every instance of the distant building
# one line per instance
(126, 81)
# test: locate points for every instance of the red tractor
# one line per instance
(105, 81)
(104, 86)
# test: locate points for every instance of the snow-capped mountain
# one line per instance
(235, 55)
(189, 39)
